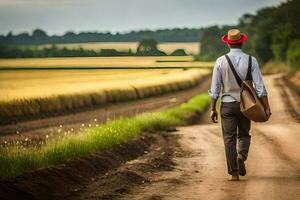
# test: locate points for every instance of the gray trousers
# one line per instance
(235, 128)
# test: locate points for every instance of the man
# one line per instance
(235, 126)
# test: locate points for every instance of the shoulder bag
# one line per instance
(250, 105)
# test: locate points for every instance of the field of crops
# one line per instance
(64, 77)
(43, 86)
(22, 84)
(104, 62)
(189, 47)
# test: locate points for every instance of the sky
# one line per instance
(59, 16)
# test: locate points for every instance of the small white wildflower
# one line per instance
(90, 125)
(26, 139)
(18, 132)
(173, 100)
(60, 126)
(82, 125)
(47, 136)
(95, 120)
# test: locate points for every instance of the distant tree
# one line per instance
(246, 19)
(39, 33)
(69, 34)
(9, 34)
(148, 47)
(178, 52)
(39, 36)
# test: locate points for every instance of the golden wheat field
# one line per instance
(34, 92)
(35, 86)
(126, 62)
(189, 47)
(21, 84)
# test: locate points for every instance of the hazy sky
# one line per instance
(58, 16)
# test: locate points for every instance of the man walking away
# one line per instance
(235, 126)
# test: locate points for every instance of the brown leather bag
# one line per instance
(251, 106)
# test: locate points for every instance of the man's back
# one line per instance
(239, 60)
(223, 76)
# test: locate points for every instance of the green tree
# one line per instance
(211, 46)
(271, 32)
(293, 56)
(148, 47)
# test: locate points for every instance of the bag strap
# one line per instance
(237, 78)
(249, 74)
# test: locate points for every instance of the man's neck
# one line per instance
(235, 49)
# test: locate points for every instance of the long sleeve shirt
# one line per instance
(240, 62)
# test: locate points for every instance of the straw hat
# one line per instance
(234, 36)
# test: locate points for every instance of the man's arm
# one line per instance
(214, 91)
(260, 87)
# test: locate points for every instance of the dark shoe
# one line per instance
(234, 176)
(241, 165)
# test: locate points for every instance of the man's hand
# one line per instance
(267, 106)
(268, 112)
(214, 116)
(214, 113)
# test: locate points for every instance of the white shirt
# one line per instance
(240, 62)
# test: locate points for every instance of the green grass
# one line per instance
(16, 159)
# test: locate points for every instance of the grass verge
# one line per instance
(17, 160)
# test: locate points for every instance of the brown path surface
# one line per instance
(38, 129)
(200, 171)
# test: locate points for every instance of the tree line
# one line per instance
(274, 34)
(146, 47)
(40, 36)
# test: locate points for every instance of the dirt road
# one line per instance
(200, 170)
